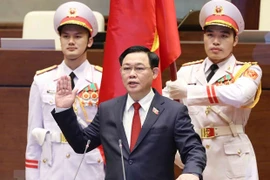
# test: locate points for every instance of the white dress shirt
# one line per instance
(129, 112)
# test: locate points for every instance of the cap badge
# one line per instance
(72, 12)
(218, 10)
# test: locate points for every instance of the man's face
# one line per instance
(137, 75)
(74, 40)
(219, 42)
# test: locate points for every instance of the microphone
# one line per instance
(122, 158)
(85, 149)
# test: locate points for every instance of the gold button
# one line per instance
(207, 111)
(44, 160)
(68, 155)
(99, 161)
(239, 152)
(207, 146)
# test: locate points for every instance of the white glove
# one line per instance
(177, 89)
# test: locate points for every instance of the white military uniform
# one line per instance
(228, 156)
(48, 155)
(220, 109)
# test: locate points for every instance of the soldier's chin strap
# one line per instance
(259, 91)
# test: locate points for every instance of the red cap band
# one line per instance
(222, 20)
(78, 21)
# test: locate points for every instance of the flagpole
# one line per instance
(173, 74)
(173, 71)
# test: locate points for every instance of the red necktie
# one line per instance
(136, 125)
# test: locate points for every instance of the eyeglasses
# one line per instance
(137, 69)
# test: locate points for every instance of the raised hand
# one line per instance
(65, 96)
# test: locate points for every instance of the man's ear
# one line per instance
(236, 39)
(155, 72)
(90, 42)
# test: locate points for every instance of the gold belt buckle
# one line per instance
(62, 138)
(208, 132)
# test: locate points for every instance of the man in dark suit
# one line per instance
(150, 134)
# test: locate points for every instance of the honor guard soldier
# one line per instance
(220, 93)
(48, 155)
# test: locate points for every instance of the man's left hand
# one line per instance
(177, 89)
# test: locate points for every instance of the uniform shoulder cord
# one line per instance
(87, 120)
(259, 91)
(83, 109)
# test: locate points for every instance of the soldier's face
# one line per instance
(219, 42)
(74, 40)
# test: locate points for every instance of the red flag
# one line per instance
(150, 23)
(169, 49)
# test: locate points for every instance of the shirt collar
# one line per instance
(79, 71)
(144, 102)
(208, 63)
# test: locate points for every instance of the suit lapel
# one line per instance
(60, 72)
(200, 74)
(119, 109)
(85, 79)
(153, 113)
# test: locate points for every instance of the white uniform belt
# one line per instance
(211, 132)
(58, 137)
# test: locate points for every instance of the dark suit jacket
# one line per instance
(152, 158)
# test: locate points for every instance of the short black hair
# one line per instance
(234, 32)
(61, 27)
(153, 57)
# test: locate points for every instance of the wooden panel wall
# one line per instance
(11, 30)
(250, 10)
(13, 116)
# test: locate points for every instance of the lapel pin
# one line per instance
(155, 110)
